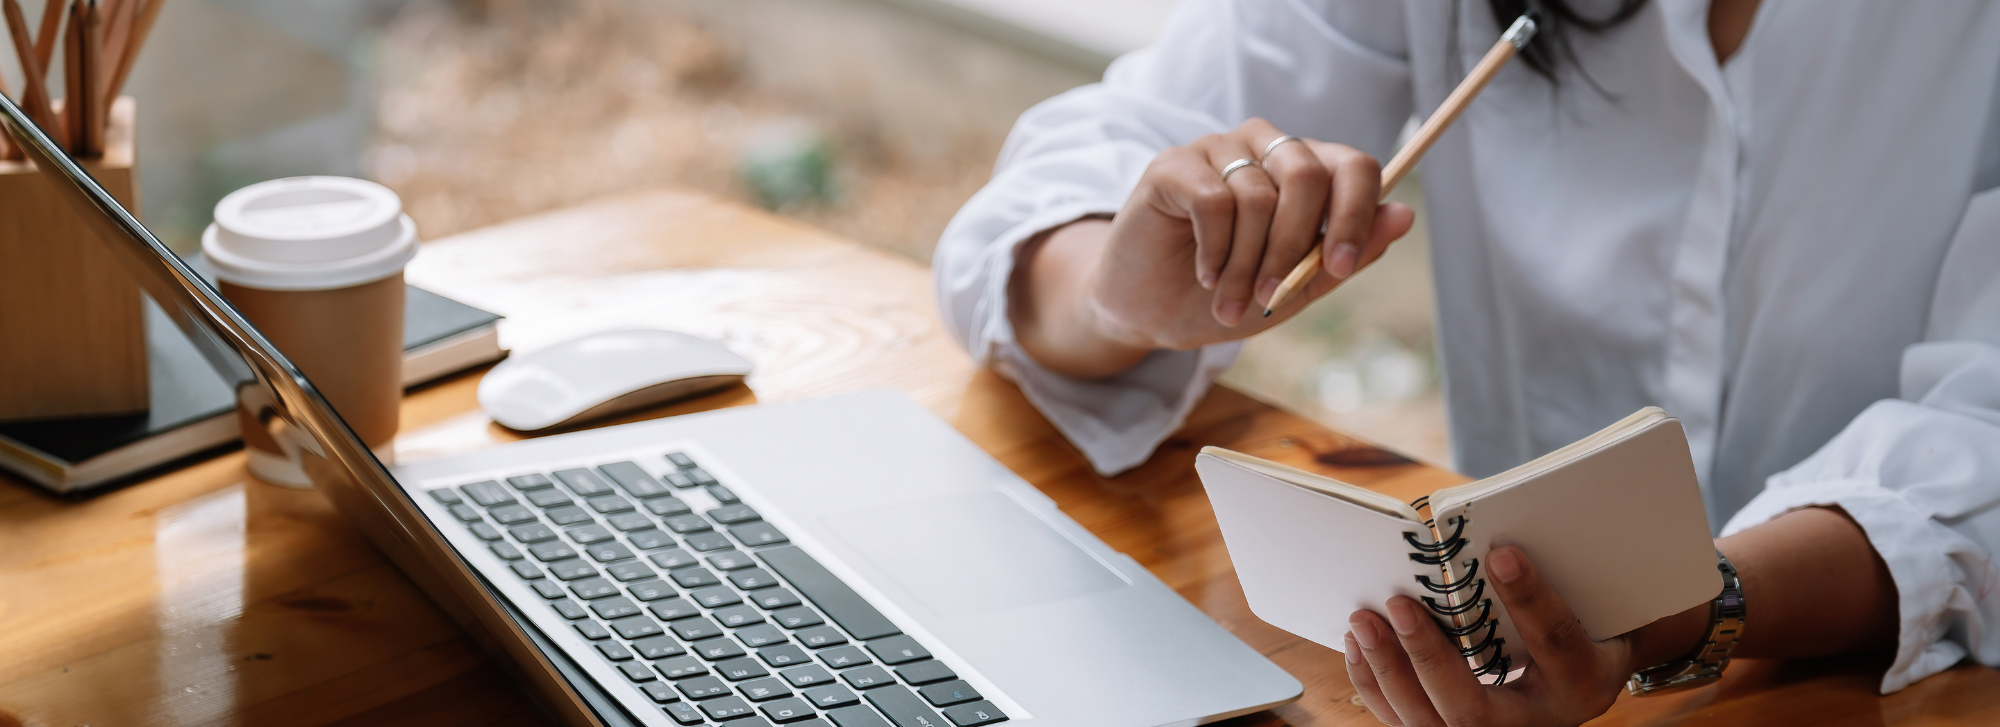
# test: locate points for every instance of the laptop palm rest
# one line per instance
(973, 554)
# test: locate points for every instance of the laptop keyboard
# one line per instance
(713, 615)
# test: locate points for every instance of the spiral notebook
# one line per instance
(1614, 521)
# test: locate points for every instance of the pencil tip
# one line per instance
(1267, 313)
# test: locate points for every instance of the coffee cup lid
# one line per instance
(309, 233)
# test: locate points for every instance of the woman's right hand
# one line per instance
(1193, 257)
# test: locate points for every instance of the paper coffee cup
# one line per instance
(316, 264)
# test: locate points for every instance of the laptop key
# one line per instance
(446, 495)
(753, 579)
(718, 650)
(976, 713)
(592, 630)
(526, 570)
(760, 636)
(722, 494)
(730, 560)
(783, 656)
(485, 531)
(696, 629)
(656, 648)
(466, 514)
(660, 692)
(488, 493)
(667, 506)
(788, 710)
(548, 589)
(533, 533)
(636, 627)
(569, 609)
(583, 483)
(764, 689)
(609, 504)
(820, 637)
(831, 696)
(614, 608)
(694, 578)
(797, 617)
(632, 479)
(737, 670)
(897, 650)
(650, 590)
(753, 534)
(530, 483)
(608, 552)
(680, 460)
(817, 584)
(903, 708)
(726, 708)
(857, 716)
(548, 498)
(843, 657)
(681, 667)
(868, 677)
(715, 597)
(945, 694)
(506, 551)
(592, 533)
(774, 598)
(810, 675)
(551, 551)
(699, 476)
(684, 713)
(925, 672)
(574, 569)
(629, 522)
(685, 524)
(512, 514)
(707, 541)
(617, 652)
(628, 572)
(671, 559)
(649, 538)
(592, 589)
(703, 688)
(675, 609)
(568, 515)
(737, 616)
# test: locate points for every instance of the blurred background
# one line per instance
(874, 119)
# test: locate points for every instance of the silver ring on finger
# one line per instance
(1273, 146)
(1235, 165)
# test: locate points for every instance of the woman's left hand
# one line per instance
(1411, 674)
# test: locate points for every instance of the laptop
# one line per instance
(845, 562)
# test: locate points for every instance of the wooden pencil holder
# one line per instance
(72, 332)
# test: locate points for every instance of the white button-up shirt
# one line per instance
(1770, 250)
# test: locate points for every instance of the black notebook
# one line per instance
(193, 412)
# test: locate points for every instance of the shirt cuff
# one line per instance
(1908, 542)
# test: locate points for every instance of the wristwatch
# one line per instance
(1725, 627)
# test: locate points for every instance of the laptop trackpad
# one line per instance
(973, 554)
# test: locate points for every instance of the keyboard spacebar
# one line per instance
(820, 586)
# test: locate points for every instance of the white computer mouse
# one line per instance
(603, 374)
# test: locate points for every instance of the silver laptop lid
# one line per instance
(296, 416)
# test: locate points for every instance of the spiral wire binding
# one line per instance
(1439, 553)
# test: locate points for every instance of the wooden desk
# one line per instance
(200, 597)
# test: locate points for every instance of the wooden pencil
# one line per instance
(1510, 43)
(93, 80)
(118, 17)
(142, 26)
(45, 39)
(35, 97)
(72, 111)
(7, 150)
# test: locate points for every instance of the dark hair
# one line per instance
(1551, 46)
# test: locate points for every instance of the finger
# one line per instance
(1555, 639)
(1195, 191)
(1392, 221)
(1355, 191)
(1256, 199)
(1363, 680)
(1303, 186)
(1454, 691)
(1392, 671)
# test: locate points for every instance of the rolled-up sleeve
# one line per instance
(1921, 476)
(1081, 153)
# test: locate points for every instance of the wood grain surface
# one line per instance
(202, 597)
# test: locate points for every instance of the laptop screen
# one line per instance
(295, 415)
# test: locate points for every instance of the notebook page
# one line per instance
(1307, 559)
(1619, 532)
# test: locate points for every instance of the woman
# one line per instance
(1738, 213)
